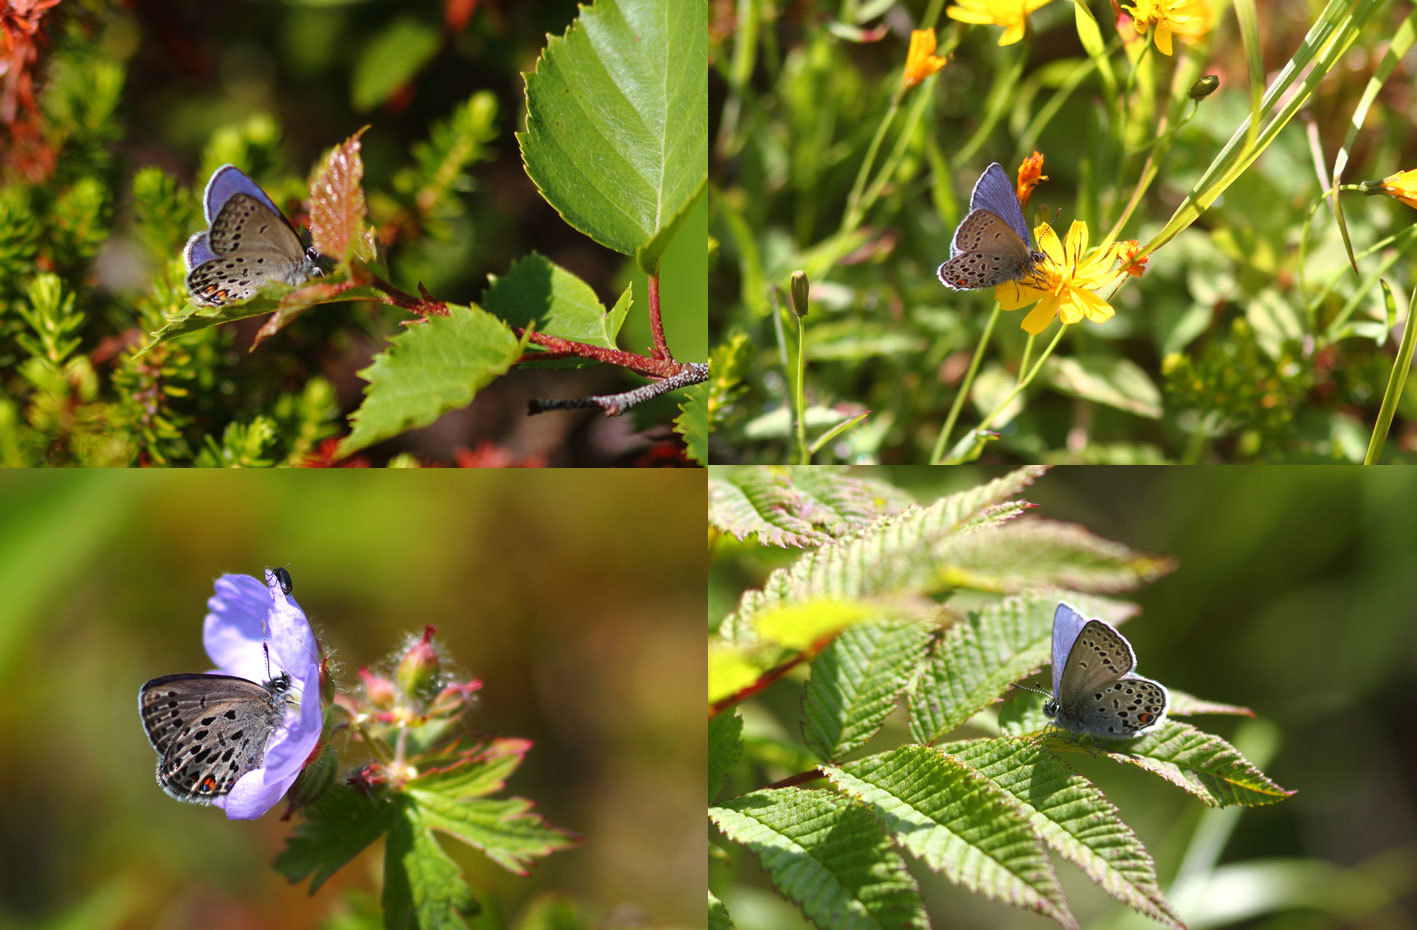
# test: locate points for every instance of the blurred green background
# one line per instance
(1296, 596)
(573, 595)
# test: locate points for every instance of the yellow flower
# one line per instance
(1011, 14)
(1189, 19)
(921, 61)
(1064, 282)
(1401, 186)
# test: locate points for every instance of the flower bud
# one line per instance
(418, 669)
(800, 291)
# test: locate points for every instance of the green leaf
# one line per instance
(692, 422)
(798, 507)
(896, 558)
(718, 918)
(504, 829)
(616, 132)
(433, 367)
(981, 654)
(396, 53)
(1116, 382)
(1074, 818)
(1043, 553)
(856, 682)
(1198, 763)
(273, 297)
(423, 886)
(335, 829)
(826, 854)
(725, 745)
(958, 823)
(536, 291)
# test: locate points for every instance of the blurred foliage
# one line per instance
(809, 103)
(1291, 595)
(564, 591)
(117, 117)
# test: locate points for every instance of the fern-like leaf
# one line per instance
(1073, 817)
(896, 555)
(856, 682)
(826, 853)
(798, 507)
(959, 823)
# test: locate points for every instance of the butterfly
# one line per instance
(1095, 690)
(209, 730)
(993, 244)
(249, 244)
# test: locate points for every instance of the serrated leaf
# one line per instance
(431, 368)
(1074, 818)
(1035, 553)
(537, 292)
(337, 201)
(423, 887)
(396, 53)
(335, 829)
(798, 507)
(504, 829)
(890, 566)
(718, 918)
(725, 745)
(958, 823)
(616, 132)
(826, 854)
(474, 772)
(1116, 382)
(1199, 763)
(856, 682)
(981, 654)
(692, 422)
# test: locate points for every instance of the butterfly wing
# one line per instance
(1099, 655)
(995, 192)
(1067, 624)
(984, 252)
(226, 181)
(197, 252)
(1121, 709)
(250, 246)
(208, 731)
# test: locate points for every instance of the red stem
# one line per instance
(652, 367)
(656, 323)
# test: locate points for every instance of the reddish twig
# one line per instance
(642, 364)
(656, 322)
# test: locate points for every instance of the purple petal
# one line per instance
(246, 619)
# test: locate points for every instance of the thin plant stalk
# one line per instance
(942, 441)
(1397, 379)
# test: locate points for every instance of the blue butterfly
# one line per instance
(250, 243)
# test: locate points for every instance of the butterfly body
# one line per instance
(992, 244)
(1095, 690)
(250, 243)
(209, 730)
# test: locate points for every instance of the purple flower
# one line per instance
(245, 618)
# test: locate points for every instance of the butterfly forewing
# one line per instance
(208, 730)
(245, 222)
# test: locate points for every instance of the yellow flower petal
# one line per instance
(1163, 38)
(1040, 316)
